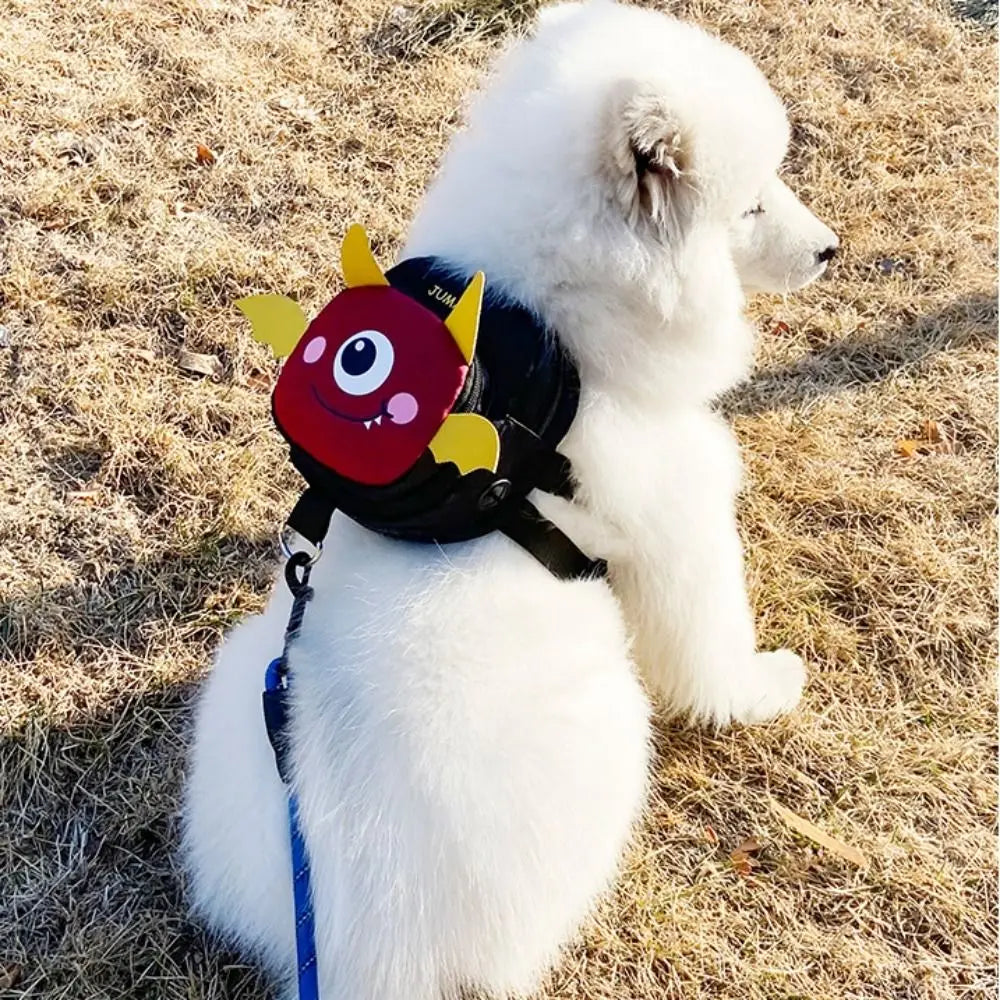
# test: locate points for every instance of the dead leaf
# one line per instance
(200, 364)
(711, 836)
(86, 496)
(742, 863)
(911, 447)
(10, 975)
(932, 440)
(781, 329)
(936, 435)
(259, 380)
(204, 155)
(812, 832)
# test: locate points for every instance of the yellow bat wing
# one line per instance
(276, 321)
(468, 440)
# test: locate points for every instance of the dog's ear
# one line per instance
(648, 160)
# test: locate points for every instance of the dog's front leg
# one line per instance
(682, 582)
(685, 599)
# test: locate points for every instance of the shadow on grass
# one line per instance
(92, 903)
(857, 361)
(412, 32)
(121, 611)
(981, 12)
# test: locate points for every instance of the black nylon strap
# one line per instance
(554, 474)
(310, 517)
(544, 468)
(550, 472)
(553, 549)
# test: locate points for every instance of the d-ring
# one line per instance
(287, 550)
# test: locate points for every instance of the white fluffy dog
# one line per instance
(469, 736)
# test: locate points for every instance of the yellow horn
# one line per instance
(357, 262)
(276, 321)
(463, 320)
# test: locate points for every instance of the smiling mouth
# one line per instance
(366, 421)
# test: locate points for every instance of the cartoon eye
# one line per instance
(363, 363)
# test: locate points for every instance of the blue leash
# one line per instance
(305, 928)
(275, 702)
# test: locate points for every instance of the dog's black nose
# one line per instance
(822, 256)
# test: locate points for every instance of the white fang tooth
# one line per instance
(378, 420)
(368, 425)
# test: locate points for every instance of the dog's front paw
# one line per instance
(773, 687)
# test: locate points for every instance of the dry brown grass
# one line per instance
(138, 503)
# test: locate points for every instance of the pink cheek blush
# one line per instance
(314, 350)
(402, 408)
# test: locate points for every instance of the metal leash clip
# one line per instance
(286, 537)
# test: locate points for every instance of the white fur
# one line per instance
(643, 276)
(469, 744)
(469, 739)
(779, 245)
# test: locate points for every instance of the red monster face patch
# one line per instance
(370, 383)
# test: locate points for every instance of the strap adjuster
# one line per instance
(274, 699)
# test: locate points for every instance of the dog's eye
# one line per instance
(758, 209)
